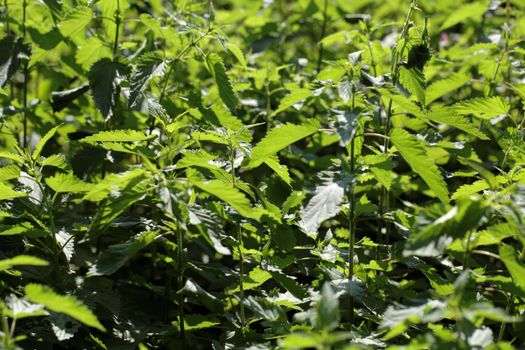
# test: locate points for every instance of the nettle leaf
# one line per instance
(117, 255)
(294, 97)
(381, 168)
(483, 107)
(62, 99)
(76, 21)
(8, 193)
(68, 183)
(103, 77)
(125, 135)
(113, 182)
(515, 267)
(344, 88)
(450, 117)
(9, 172)
(414, 153)
(7, 264)
(346, 124)
(149, 65)
(68, 305)
(327, 309)
(325, 204)
(279, 169)
(236, 51)
(11, 52)
(222, 80)
(474, 10)
(413, 80)
(280, 137)
(230, 195)
(43, 141)
(445, 86)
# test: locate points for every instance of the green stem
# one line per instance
(241, 279)
(181, 285)
(323, 33)
(26, 78)
(118, 20)
(5, 327)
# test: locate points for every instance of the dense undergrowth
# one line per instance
(325, 174)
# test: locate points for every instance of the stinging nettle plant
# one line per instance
(236, 175)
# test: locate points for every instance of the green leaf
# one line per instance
(413, 151)
(117, 255)
(112, 182)
(118, 136)
(294, 97)
(381, 169)
(68, 183)
(222, 80)
(483, 107)
(236, 51)
(76, 22)
(280, 137)
(6, 264)
(10, 54)
(149, 65)
(43, 141)
(62, 99)
(516, 268)
(470, 189)
(327, 309)
(325, 204)
(195, 322)
(280, 170)
(9, 172)
(68, 305)
(414, 81)
(102, 80)
(445, 86)
(228, 194)
(8, 193)
(450, 117)
(17, 158)
(474, 10)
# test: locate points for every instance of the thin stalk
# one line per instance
(118, 20)
(180, 259)
(241, 279)
(5, 328)
(26, 78)
(240, 248)
(508, 310)
(323, 33)
(351, 216)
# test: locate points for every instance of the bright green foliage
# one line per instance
(68, 305)
(278, 138)
(312, 174)
(413, 151)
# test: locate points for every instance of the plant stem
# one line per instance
(26, 78)
(323, 33)
(180, 258)
(5, 328)
(351, 219)
(118, 20)
(241, 279)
